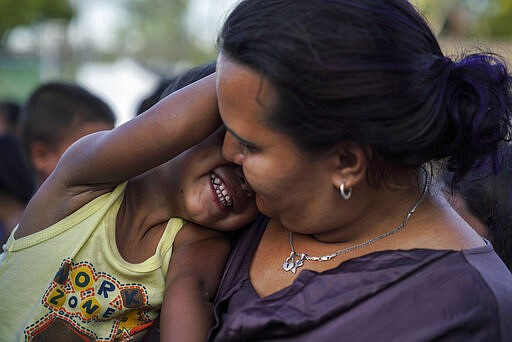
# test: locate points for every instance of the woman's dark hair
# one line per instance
(372, 72)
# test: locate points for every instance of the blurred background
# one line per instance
(121, 49)
(117, 49)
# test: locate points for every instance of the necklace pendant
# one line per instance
(299, 263)
(289, 263)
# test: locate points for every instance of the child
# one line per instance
(56, 115)
(91, 257)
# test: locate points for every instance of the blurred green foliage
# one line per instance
(491, 19)
(497, 21)
(25, 12)
(17, 83)
(18, 74)
(161, 25)
(156, 34)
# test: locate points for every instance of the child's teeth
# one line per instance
(220, 190)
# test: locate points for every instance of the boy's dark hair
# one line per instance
(55, 108)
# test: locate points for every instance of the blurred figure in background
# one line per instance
(55, 115)
(16, 184)
(484, 200)
(9, 113)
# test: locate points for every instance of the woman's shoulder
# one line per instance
(471, 285)
(464, 270)
(492, 272)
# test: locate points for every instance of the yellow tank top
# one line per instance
(69, 282)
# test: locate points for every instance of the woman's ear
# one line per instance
(351, 165)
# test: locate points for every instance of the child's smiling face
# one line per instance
(213, 191)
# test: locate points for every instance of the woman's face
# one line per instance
(290, 185)
(212, 190)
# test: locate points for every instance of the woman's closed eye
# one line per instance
(247, 148)
(242, 145)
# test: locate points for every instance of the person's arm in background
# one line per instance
(194, 274)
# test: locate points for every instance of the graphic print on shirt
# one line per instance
(79, 298)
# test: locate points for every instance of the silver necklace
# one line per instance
(296, 260)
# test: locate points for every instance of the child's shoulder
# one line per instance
(192, 233)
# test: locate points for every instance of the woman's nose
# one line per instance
(246, 188)
(231, 149)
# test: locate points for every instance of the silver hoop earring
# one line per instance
(345, 194)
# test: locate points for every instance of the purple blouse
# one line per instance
(402, 295)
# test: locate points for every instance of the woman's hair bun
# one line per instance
(478, 101)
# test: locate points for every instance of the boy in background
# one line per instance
(55, 115)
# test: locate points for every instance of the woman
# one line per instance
(338, 112)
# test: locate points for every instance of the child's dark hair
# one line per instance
(189, 77)
(55, 107)
(372, 72)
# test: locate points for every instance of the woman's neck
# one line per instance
(381, 210)
(386, 211)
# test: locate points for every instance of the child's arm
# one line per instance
(174, 124)
(192, 280)
(98, 162)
